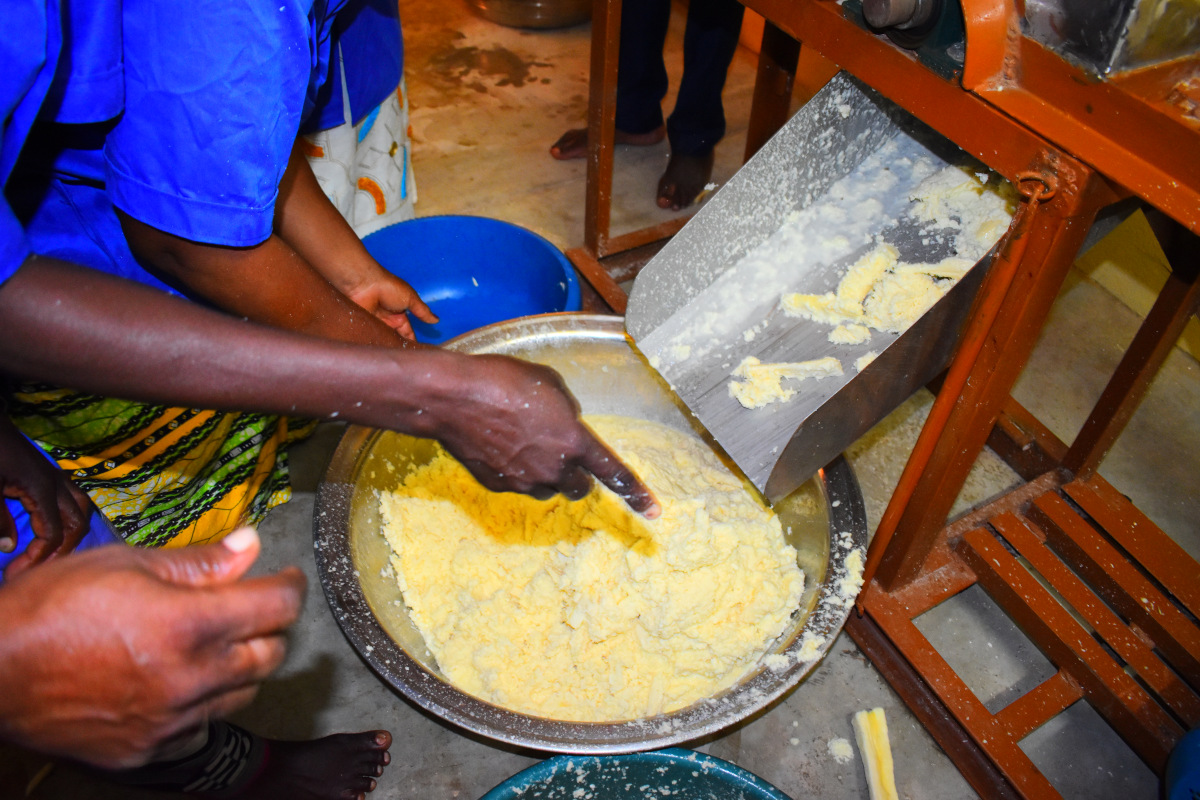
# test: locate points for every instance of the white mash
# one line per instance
(583, 610)
(881, 292)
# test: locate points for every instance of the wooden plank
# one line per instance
(1176, 694)
(1147, 146)
(974, 764)
(968, 711)
(1041, 704)
(1120, 583)
(602, 131)
(778, 57)
(934, 587)
(1156, 552)
(644, 236)
(1024, 443)
(598, 278)
(1120, 699)
(1150, 347)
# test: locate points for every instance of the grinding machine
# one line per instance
(811, 487)
(1086, 109)
(1089, 109)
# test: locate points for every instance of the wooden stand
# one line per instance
(1107, 597)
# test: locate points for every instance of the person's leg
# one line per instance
(641, 81)
(641, 72)
(698, 121)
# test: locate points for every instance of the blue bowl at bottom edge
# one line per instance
(672, 774)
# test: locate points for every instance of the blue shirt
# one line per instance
(29, 51)
(182, 115)
(367, 35)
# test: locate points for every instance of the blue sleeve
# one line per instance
(29, 51)
(214, 94)
(372, 49)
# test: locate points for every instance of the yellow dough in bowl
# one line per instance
(582, 610)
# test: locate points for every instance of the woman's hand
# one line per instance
(58, 509)
(516, 427)
(391, 300)
(112, 655)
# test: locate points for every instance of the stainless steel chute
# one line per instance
(705, 302)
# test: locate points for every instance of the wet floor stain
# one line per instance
(478, 68)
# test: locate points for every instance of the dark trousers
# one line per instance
(709, 41)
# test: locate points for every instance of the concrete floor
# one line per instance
(487, 101)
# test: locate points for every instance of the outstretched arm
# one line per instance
(511, 422)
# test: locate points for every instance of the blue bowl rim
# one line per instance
(574, 299)
(672, 756)
(553, 248)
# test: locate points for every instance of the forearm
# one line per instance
(269, 283)
(310, 224)
(512, 423)
(90, 331)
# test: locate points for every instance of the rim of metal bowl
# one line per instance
(331, 518)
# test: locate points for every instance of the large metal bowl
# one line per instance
(824, 520)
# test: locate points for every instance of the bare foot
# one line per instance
(573, 143)
(684, 179)
(339, 767)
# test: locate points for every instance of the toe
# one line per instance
(572, 144)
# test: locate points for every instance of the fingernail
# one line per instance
(241, 540)
(653, 512)
(7, 544)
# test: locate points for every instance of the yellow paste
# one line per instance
(849, 333)
(583, 610)
(878, 292)
(762, 384)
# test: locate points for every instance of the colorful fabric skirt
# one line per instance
(162, 476)
(365, 169)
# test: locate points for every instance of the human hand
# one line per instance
(58, 509)
(516, 427)
(389, 298)
(113, 655)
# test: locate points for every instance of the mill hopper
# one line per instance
(841, 173)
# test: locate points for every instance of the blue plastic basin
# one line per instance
(661, 775)
(473, 271)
